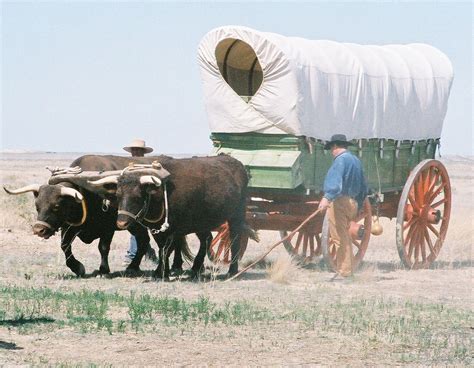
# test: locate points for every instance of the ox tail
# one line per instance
(186, 251)
(251, 233)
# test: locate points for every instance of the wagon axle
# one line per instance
(427, 214)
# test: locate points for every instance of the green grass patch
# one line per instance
(410, 332)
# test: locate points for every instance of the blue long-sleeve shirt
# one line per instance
(345, 177)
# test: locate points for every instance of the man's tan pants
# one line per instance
(340, 213)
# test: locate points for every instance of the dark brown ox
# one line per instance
(201, 193)
(80, 212)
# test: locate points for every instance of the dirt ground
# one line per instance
(27, 261)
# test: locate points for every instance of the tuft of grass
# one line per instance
(283, 269)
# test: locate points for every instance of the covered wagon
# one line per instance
(273, 101)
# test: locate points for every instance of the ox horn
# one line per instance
(65, 191)
(150, 179)
(28, 188)
(113, 179)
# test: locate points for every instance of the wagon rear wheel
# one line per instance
(423, 214)
(219, 250)
(360, 242)
(304, 246)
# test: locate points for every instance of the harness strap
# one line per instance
(141, 215)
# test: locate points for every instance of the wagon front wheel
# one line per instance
(360, 235)
(423, 214)
(219, 250)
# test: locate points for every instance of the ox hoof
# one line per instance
(195, 275)
(104, 270)
(177, 272)
(157, 275)
(129, 271)
(80, 270)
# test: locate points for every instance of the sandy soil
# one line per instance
(29, 261)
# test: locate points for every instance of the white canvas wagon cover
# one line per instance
(319, 88)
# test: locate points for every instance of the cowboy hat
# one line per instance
(138, 143)
(338, 139)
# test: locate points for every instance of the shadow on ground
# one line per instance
(9, 346)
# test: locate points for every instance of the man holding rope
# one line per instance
(345, 189)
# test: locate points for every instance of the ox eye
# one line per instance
(56, 208)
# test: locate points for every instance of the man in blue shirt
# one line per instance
(344, 192)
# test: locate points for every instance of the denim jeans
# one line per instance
(132, 248)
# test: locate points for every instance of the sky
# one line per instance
(92, 76)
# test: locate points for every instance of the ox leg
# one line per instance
(205, 239)
(236, 225)
(165, 245)
(179, 245)
(67, 237)
(143, 242)
(234, 249)
(104, 248)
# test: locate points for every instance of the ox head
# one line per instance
(55, 204)
(138, 193)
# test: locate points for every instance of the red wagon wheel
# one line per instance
(304, 246)
(219, 250)
(423, 214)
(360, 234)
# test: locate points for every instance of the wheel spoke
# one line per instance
(356, 243)
(416, 242)
(433, 229)
(436, 192)
(220, 249)
(429, 242)
(429, 191)
(305, 244)
(410, 222)
(419, 191)
(298, 242)
(439, 203)
(412, 200)
(311, 245)
(410, 248)
(410, 233)
(422, 247)
(427, 180)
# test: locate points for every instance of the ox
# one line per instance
(183, 196)
(78, 211)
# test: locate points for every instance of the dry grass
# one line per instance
(386, 316)
(283, 270)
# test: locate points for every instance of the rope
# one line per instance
(166, 224)
(64, 170)
(289, 236)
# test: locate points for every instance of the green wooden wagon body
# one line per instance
(298, 165)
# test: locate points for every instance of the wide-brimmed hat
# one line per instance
(339, 139)
(138, 143)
